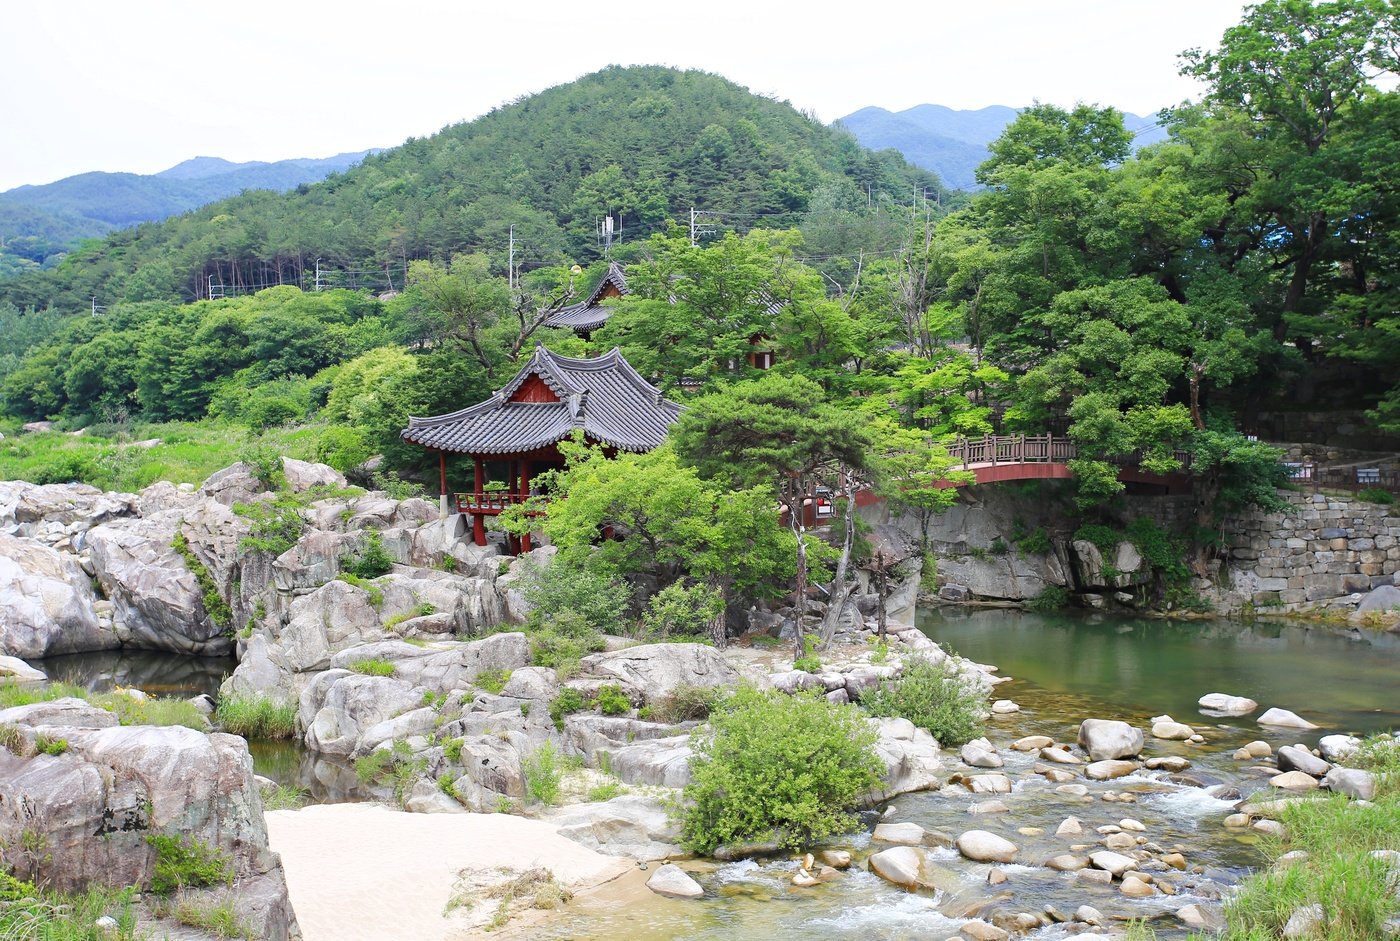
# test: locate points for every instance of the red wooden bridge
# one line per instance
(998, 458)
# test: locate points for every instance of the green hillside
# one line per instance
(644, 144)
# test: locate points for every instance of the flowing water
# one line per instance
(1065, 668)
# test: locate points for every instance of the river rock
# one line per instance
(16, 670)
(1294, 781)
(1108, 738)
(1305, 922)
(982, 931)
(1173, 764)
(900, 865)
(910, 757)
(1282, 718)
(1088, 915)
(1108, 770)
(1060, 755)
(1337, 748)
(984, 847)
(47, 603)
(1113, 863)
(1172, 731)
(905, 834)
(836, 859)
(674, 882)
(1297, 758)
(1380, 598)
(1353, 782)
(1066, 863)
(1201, 917)
(1226, 705)
(631, 825)
(1070, 826)
(1005, 707)
(1135, 888)
(653, 671)
(979, 753)
(1032, 743)
(988, 807)
(995, 783)
(93, 807)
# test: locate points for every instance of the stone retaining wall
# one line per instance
(1326, 552)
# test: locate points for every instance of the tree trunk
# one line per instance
(800, 608)
(881, 589)
(717, 630)
(840, 587)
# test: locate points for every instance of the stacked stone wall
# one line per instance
(1324, 552)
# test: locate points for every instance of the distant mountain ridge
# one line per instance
(950, 142)
(38, 224)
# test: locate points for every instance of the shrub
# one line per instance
(27, 911)
(1051, 598)
(214, 605)
(445, 783)
(1375, 495)
(371, 562)
(605, 791)
(342, 447)
(452, 749)
(257, 717)
(273, 526)
(493, 681)
(376, 594)
(50, 746)
(1036, 542)
(677, 609)
(542, 774)
(612, 701)
(396, 766)
(573, 600)
(685, 702)
(561, 653)
(808, 664)
(182, 863)
(372, 666)
(1105, 537)
(789, 767)
(266, 464)
(932, 697)
(566, 703)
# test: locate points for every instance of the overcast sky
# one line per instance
(140, 85)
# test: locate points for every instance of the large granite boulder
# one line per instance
(444, 666)
(328, 620)
(159, 604)
(910, 757)
(1108, 738)
(338, 707)
(302, 476)
(52, 510)
(46, 603)
(82, 817)
(237, 483)
(632, 825)
(653, 671)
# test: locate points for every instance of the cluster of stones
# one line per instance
(1323, 552)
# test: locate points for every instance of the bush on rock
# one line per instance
(932, 697)
(771, 766)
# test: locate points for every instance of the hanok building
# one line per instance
(585, 317)
(517, 431)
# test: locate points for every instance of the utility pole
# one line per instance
(510, 265)
(318, 274)
(692, 226)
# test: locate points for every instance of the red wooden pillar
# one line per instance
(478, 485)
(524, 495)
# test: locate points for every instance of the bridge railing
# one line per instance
(1029, 449)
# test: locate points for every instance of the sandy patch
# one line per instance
(363, 872)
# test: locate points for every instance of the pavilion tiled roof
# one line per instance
(605, 397)
(590, 314)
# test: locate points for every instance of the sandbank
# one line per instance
(364, 872)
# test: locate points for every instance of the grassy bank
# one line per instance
(110, 457)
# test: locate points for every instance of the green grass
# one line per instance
(285, 797)
(189, 453)
(543, 774)
(50, 746)
(27, 912)
(493, 681)
(605, 791)
(216, 918)
(372, 666)
(181, 863)
(152, 711)
(396, 766)
(376, 594)
(256, 717)
(25, 694)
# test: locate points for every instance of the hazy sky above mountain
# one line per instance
(143, 84)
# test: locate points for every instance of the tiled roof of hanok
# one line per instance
(605, 397)
(591, 314)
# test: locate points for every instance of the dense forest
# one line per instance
(1143, 303)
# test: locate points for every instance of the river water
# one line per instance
(1064, 668)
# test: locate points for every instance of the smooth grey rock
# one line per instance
(1108, 738)
(1381, 598)
(304, 475)
(979, 753)
(1227, 705)
(1109, 769)
(1114, 863)
(1353, 782)
(16, 670)
(47, 605)
(234, 484)
(906, 834)
(673, 882)
(1305, 922)
(986, 847)
(1282, 718)
(910, 757)
(901, 865)
(1296, 758)
(1336, 748)
(632, 825)
(653, 671)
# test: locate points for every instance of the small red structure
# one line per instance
(519, 428)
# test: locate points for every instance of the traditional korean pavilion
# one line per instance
(516, 432)
(585, 317)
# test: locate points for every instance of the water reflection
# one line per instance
(168, 675)
(325, 780)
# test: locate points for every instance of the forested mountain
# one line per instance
(953, 143)
(644, 144)
(38, 224)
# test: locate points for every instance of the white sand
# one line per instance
(363, 872)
